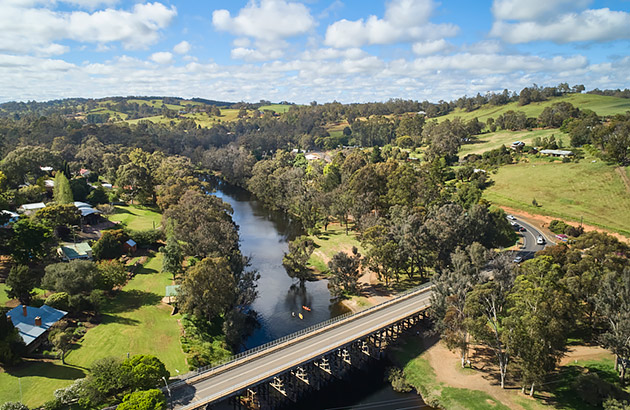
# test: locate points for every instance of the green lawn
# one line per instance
(38, 381)
(419, 373)
(493, 140)
(138, 218)
(592, 190)
(136, 321)
(602, 105)
(279, 108)
(328, 243)
(3, 294)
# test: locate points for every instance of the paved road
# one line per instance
(530, 247)
(223, 384)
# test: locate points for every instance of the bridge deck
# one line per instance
(264, 367)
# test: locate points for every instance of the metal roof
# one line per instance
(26, 324)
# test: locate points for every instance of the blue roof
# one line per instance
(26, 324)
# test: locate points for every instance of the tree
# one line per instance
(31, 241)
(20, 283)
(74, 277)
(173, 256)
(62, 194)
(144, 400)
(538, 319)
(61, 340)
(107, 247)
(144, 371)
(345, 273)
(98, 196)
(23, 164)
(295, 261)
(613, 304)
(208, 289)
(59, 217)
(106, 381)
(111, 273)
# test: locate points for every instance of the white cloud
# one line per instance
(534, 9)
(431, 47)
(26, 29)
(162, 57)
(405, 20)
(250, 54)
(182, 48)
(267, 20)
(589, 25)
(560, 21)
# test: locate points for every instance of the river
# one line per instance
(264, 237)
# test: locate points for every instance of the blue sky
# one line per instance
(300, 51)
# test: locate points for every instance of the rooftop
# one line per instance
(81, 250)
(26, 324)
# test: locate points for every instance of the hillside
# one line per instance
(602, 105)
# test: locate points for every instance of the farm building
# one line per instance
(71, 251)
(556, 152)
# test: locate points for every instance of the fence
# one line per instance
(218, 366)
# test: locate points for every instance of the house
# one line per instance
(517, 145)
(556, 152)
(88, 213)
(31, 208)
(33, 323)
(13, 217)
(84, 172)
(130, 246)
(312, 157)
(72, 251)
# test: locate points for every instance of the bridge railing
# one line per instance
(217, 366)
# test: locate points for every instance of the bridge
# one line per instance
(285, 369)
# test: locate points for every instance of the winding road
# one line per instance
(530, 247)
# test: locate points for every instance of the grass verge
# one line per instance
(137, 218)
(330, 242)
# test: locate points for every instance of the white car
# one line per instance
(540, 240)
(518, 259)
(511, 217)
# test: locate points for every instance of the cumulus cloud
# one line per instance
(404, 20)
(162, 57)
(534, 9)
(560, 21)
(25, 29)
(267, 20)
(182, 48)
(250, 54)
(431, 47)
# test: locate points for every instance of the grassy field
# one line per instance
(419, 373)
(493, 140)
(3, 294)
(602, 105)
(133, 321)
(136, 321)
(331, 242)
(279, 108)
(136, 217)
(592, 190)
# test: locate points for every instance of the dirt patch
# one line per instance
(542, 222)
(576, 353)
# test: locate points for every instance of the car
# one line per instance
(511, 217)
(518, 259)
(540, 240)
(513, 223)
(522, 229)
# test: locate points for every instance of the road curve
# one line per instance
(530, 247)
(223, 384)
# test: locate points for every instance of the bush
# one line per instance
(13, 405)
(108, 247)
(59, 300)
(556, 226)
(592, 389)
(144, 400)
(146, 238)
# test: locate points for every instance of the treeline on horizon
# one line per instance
(69, 106)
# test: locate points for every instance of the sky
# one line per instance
(308, 50)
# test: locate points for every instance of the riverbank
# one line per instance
(435, 372)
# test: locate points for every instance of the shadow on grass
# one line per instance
(128, 300)
(32, 368)
(119, 319)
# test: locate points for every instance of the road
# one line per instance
(261, 368)
(530, 247)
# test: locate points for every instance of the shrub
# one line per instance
(144, 400)
(59, 300)
(557, 226)
(146, 238)
(13, 405)
(592, 389)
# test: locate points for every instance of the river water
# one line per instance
(264, 237)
